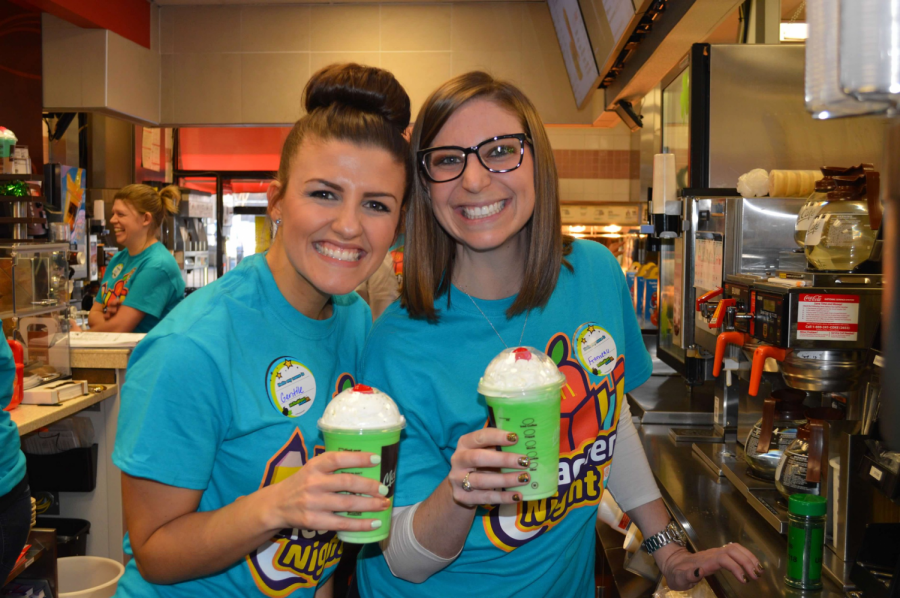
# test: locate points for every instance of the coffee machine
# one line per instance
(724, 235)
(184, 234)
(799, 330)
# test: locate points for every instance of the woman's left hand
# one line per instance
(684, 569)
(111, 307)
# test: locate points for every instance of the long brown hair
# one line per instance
(429, 252)
(350, 102)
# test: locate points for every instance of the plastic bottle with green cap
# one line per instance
(806, 541)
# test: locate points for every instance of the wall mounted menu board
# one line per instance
(608, 23)
(576, 48)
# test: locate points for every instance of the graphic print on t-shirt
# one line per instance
(118, 290)
(587, 437)
(291, 386)
(293, 558)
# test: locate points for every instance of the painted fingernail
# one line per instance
(697, 572)
(744, 578)
(375, 459)
(376, 524)
(512, 437)
(524, 461)
(760, 568)
(517, 497)
(523, 477)
(382, 489)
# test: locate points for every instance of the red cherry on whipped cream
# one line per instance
(363, 389)
(522, 353)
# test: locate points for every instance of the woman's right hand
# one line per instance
(309, 498)
(476, 456)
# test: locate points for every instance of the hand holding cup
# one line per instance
(310, 498)
(364, 420)
(478, 462)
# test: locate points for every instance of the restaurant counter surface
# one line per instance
(713, 513)
(100, 358)
(33, 417)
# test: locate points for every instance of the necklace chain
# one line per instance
(521, 336)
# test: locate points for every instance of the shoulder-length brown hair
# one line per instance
(429, 252)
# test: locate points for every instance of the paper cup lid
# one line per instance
(520, 370)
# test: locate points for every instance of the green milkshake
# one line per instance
(522, 389)
(364, 419)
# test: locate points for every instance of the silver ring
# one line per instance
(466, 484)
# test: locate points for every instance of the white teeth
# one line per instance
(479, 212)
(344, 255)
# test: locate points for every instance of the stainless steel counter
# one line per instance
(713, 512)
(669, 400)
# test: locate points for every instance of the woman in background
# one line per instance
(142, 282)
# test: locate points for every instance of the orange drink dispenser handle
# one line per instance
(732, 337)
(19, 381)
(719, 314)
(762, 353)
(708, 295)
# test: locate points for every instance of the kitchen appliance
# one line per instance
(728, 242)
(34, 298)
(820, 331)
(718, 131)
(184, 234)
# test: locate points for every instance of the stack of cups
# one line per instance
(522, 388)
(365, 419)
(869, 49)
(664, 191)
(793, 183)
(825, 96)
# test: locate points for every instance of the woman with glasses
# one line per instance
(486, 268)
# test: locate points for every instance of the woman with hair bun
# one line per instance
(226, 488)
(142, 282)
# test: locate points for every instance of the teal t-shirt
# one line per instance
(223, 396)
(12, 461)
(149, 282)
(539, 548)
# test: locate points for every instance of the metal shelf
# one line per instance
(16, 198)
(21, 177)
(35, 311)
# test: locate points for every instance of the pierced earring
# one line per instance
(278, 222)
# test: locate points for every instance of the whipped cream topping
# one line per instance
(361, 408)
(519, 369)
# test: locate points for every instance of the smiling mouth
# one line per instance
(343, 255)
(479, 212)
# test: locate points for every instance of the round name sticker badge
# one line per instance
(117, 270)
(595, 349)
(291, 386)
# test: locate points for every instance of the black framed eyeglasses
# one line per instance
(497, 154)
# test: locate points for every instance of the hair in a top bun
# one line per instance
(363, 88)
(350, 102)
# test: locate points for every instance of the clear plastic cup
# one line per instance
(364, 419)
(522, 387)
